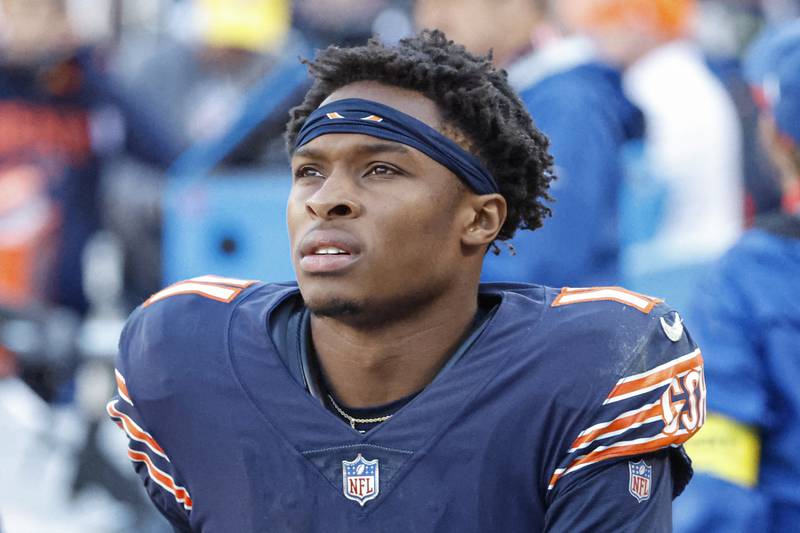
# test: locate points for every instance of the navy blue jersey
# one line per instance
(565, 411)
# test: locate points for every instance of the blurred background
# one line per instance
(141, 144)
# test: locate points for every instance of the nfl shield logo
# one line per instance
(641, 477)
(360, 479)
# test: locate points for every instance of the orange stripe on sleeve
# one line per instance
(621, 449)
(569, 295)
(162, 478)
(220, 280)
(217, 288)
(214, 292)
(624, 422)
(661, 375)
(122, 387)
(133, 430)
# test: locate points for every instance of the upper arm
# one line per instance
(156, 372)
(629, 494)
(658, 401)
(163, 483)
(645, 409)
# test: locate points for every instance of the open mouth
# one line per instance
(328, 252)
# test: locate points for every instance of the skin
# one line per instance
(387, 316)
(504, 26)
(31, 30)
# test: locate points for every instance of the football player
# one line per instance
(387, 390)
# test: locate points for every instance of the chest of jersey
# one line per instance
(479, 471)
(482, 448)
(469, 453)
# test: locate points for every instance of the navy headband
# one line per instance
(354, 115)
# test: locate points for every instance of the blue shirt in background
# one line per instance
(588, 119)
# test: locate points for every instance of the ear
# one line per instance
(487, 216)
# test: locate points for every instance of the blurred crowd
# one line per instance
(142, 143)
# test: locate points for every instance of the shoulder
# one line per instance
(184, 327)
(611, 327)
(629, 376)
(586, 85)
(614, 351)
(597, 335)
(590, 79)
(564, 90)
(574, 104)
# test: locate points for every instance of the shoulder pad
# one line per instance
(181, 331)
(638, 372)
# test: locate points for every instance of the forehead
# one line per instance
(409, 102)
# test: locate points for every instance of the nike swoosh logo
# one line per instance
(673, 331)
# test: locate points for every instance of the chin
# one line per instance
(329, 297)
(335, 308)
(324, 302)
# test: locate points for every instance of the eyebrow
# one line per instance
(361, 149)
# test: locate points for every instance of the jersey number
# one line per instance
(212, 287)
(689, 413)
(638, 301)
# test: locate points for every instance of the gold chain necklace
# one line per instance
(353, 420)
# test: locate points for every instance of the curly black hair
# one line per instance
(470, 93)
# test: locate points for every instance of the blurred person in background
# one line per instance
(579, 104)
(747, 317)
(198, 73)
(61, 116)
(759, 63)
(723, 29)
(693, 144)
(351, 22)
(778, 11)
(62, 119)
(195, 65)
(215, 52)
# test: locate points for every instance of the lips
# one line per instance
(326, 251)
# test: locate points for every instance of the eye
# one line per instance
(383, 170)
(307, 171)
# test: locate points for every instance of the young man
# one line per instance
(388, 390)
(748, 317)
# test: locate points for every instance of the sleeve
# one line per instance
(161, 479)
(581, 237)
(631, 494)
(628, 451)
(727, 452)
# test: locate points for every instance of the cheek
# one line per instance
(421, 232)
(295, 211)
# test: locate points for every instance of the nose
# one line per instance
(333, 200)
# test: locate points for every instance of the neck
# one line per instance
(367, 366)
